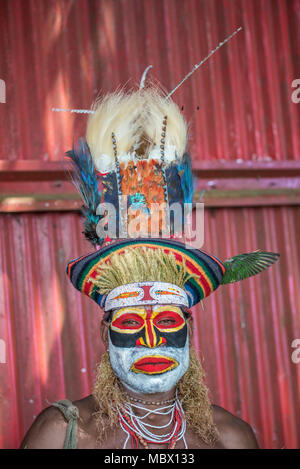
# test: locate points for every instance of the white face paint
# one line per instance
(122, 360)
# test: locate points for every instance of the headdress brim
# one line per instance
(207, 270)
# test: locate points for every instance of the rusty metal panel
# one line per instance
(51, 334)
(62, 53)
(244, 333)
(246, 329)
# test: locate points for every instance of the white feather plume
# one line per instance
(136, 119)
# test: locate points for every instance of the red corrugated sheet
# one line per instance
(61, 54)
(244, 332)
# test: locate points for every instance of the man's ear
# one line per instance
(104, 332)
(190, 324)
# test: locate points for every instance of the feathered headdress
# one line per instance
(136, 146)
(135, 150)
(134, 159)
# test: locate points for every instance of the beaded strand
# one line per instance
(135, 428)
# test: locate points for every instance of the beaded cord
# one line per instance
(163, 169)
(141, 401)
(122, 211)
(140, 432)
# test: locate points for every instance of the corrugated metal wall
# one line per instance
(60, 54)
(244, 333)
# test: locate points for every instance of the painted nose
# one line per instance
(150, 334)
(141, 343)
(151, 339)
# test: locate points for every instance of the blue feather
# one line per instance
(186, 178)
(86, 181)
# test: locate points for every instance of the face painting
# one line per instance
(149, 347)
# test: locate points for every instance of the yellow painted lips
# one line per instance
(154, 364)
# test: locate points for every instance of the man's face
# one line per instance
(149, 347)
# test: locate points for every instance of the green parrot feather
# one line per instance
(245, 265)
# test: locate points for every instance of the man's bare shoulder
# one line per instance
(49, 428)
(234, 432)
(47, 432)
(87, 408)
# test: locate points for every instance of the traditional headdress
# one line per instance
(131, 171)
(137, 147)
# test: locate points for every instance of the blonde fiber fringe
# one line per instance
(141, 264)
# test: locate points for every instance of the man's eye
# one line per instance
(169, 320)
(130, 322)
(166, 321)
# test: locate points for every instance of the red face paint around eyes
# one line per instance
(130, 321)
(172, 320)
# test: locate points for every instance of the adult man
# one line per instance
(220, 429)
(149, 391)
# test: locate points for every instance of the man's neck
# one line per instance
(156, 397)
(151, 402)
